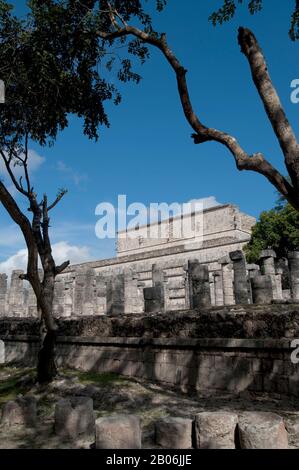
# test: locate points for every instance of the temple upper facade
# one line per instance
(214, 226)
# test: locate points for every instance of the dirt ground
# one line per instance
(113, 393)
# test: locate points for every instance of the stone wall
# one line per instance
(173, 282)
(219, 350)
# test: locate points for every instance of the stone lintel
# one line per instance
(267, 254)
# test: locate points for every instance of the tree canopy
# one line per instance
(277, 229)
(53, 63)
(227, 11)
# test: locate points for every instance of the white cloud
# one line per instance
(11, 235)
(70, 174)
(207, 202)
(34, 162)
(62, 251)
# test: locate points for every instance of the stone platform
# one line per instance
(236, 349)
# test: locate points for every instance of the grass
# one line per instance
(105, 378)
(9, 383)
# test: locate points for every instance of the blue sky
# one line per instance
(147, 153)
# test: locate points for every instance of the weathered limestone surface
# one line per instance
(200, 295)
(293, 258)
(227, 280)
(219, 222)
(268, 268)
(2, 352)
(16, 295)
(262, 289)
(22, 411)
(241, 290)
(3, 293)
(84, 293)
(154, 297)
(215, 430)
(116, 295)
(118, 432)
(174, 433)
(218, 288)
(233, 349)
(262, 430)
(101, 291)
(74, 416)
(253, 270)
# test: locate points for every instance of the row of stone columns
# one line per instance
(85, 292)
(241, 283)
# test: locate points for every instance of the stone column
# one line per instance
(262, 289)
(89, 293)
(134, 302)
(3, 293)
(158, 276)
(68, 296)
(227, 280)
(31, 298)
(212, 288)
(79, 291)
(279, 277)
(116, 295)
(84, 292)
(200, 294)
(218, 288)
(253, 270)
(267, 258)
(186, 286)
(31, 302)
(58, 304)
(154, 297)
(2, 352)
(293, 259)
(101, 292)
(241, 287)
(16, 295)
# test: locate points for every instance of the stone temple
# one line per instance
(186, 311)
(157, 270)
(116, 285)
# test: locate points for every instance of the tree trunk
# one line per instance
(46, 367)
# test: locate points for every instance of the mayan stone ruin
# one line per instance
(165, 274)
(188, 314)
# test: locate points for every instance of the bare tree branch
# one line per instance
(62, 267)
(243, 160)
(7, 162)
(58, 198)
(273, 107)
